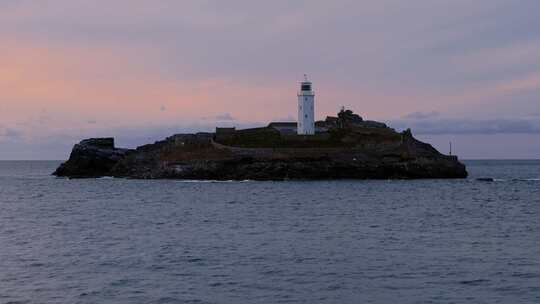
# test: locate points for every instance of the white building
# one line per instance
(306, 109)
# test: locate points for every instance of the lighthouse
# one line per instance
(306, 108)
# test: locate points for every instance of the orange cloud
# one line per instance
(61, 89)
(117, 87)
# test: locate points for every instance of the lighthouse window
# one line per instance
(305, 98)
(305, 116)
(306, 87)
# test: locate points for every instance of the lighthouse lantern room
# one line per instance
(306, 108)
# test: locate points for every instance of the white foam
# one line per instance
(212, 181)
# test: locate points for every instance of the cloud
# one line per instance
(10, 134)
(440, 125)
(224, 117)
(422, 115)
(486, 146)
(288, 118)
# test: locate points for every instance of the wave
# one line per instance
(213, 181)
(491, 179)
(28, 177)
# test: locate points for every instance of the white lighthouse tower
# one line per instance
(306, 108)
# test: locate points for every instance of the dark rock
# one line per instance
(91, 158)
(348, 117)
(407, 133)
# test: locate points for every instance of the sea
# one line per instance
(349, 241)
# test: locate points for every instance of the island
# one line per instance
(341, 147)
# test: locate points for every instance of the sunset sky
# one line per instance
(466, 71)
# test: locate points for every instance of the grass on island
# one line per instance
(336, 138)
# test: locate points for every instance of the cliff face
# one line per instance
(92, 158)
(355, 151)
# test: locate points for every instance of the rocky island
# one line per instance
(343, 147)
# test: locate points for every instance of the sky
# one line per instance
(466, 71)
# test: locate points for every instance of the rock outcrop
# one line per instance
(349, 150)
(92, 158)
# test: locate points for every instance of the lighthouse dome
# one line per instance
(306, 86)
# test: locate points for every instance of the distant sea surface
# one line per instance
(162, 241)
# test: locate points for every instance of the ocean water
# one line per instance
(132, 241)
